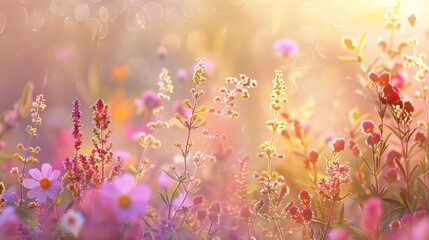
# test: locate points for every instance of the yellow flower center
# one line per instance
(44, 183)
(124, 200)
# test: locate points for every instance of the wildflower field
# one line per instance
(214, 119)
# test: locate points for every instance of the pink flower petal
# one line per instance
(124, 184)
(53, 189)
(35, 173)
(30, 183)
(46, 170)
(33, 193)
(41, 198)
(54, 175)
(141, 193)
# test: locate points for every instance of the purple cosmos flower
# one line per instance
(286, 47)
(43, 184)
(129, 201)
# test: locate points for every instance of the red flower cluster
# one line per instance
(294, 211)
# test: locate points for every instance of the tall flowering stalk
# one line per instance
(36, 119)
(101, 155)
(191, 123)
(417, 61)
(149, 141)
(330, 187)
(73, 165)
(271, 182)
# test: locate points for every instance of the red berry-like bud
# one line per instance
(245, 213)
(307, 214)
(367, 126)
(201, 214)
(215, 207)
(197, 200)
(214, 217)
(339, 145)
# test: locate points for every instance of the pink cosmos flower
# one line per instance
(43, 184)
(129, 201)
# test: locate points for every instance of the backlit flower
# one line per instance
(43, 184)
(72, 222)
(129, 200)
(339, 145)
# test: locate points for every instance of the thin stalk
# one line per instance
(21, 178)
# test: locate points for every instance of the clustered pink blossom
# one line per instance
(338, 175)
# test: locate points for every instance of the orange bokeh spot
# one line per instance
(119, 72)
(121, 107)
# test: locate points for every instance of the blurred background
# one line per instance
(115, 49)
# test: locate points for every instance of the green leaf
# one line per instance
(163, 198)
(133, 169)
(391, 212)
(170, 175)
(404, 198)
(341, 220)
(393, 130)
(319, 220)
(367, 164)
(326, 158)
(359, 232)
(412, 148)
(400, 167)
(392, 201)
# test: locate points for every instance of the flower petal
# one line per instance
(109, 191)
(46, 170)
(41, 198)
(30, 183)
(141, 193)
(54, 175)
(35, 173)
(125, 183)
(53, 189)
(35, 192)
